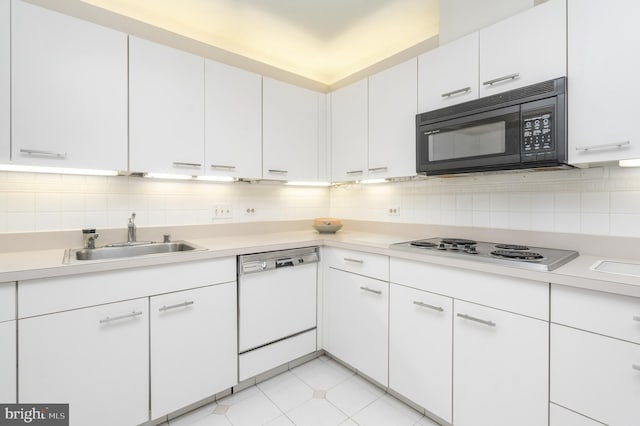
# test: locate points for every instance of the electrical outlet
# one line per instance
(222, 211)
(393, 211)
(250, 211)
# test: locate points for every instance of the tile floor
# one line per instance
(320, 392)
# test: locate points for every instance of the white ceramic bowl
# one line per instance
(327, 228)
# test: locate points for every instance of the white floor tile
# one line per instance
(322, 375)
(252, 411)
(348, 422)
(316, 412)
(426, 421)
(387, 410)
(353, 395)
(287, 391)
(281, 421)
(238, 397)
(193, 416)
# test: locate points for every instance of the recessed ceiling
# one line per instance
(323, 40)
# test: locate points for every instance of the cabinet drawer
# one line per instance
(368, 264)
(559, 416)
(595, 375)
(8, 362)
(517, 295)
(603, 313)
(42, 296)
(7, 301)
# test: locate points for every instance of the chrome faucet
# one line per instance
(89, 236)
(131, 235)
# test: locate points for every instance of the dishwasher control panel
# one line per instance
(276, 259)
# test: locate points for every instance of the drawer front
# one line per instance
(7, 301)
(368, 264)
(517, 295)
(42, 296)
(559, 416)
(603, 313)
(595, 375)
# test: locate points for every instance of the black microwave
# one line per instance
(519, 129)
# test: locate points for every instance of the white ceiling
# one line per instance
(323, 40)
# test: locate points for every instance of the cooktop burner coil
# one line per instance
(519, 255)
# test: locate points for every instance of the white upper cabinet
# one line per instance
(602, 75)
(166, 109)
(349, 132)
(392, 118)
(5, 80)
(69, 91)
(527, 48)
(232, 122)
(290, 132)
(448, 75)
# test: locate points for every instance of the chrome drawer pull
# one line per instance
(39, 153)
(181, 164)
(426, 305)
(615, 145)
(222, 167)
(378, 169)
(370, 290)
(348, 259)
(355, 172)
(481, 321)
(636, 317)
(499, 79)
(120, 317)
(635, 367)
(282, 172)
(456, 92)
(179, 305)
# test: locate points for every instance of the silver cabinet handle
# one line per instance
(635, 367)
(499, 79)
(636, 317)
(426, 305)
(40, 153)
(282, 172)
(179, 305)
(481, 321)
(120, 317)
(378, 169)
(349, 259)
(615, 145)
(370, 290)
(456, 92)
(222, 167)
(181, 164)
(354, 172)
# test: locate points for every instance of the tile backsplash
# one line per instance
(596, 201)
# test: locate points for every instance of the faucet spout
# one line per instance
(131, 228)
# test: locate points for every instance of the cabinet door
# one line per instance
(595, 375)
(166, 109)
(233, 122)
(392, 121)
(524, 49)
(96, 359)
(500, 368)
(290, 132)
(356, 320)
(7, 301)
(349, 132)
(448, 75)
(69, 91)
(5, 80)
(559, 416)
(602, 76)
(420, 345)
(8, 362)
(193, 346)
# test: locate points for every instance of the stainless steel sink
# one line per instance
(125, 250)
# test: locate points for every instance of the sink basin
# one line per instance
(124, 250)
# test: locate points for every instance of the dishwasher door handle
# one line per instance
(281, 263)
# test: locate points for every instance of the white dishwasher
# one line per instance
(276, 308)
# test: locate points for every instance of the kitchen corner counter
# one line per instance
(25, 265)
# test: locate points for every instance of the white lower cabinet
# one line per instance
(8, 362)
(500, 368)
(357, 322)
(420, 348)
(560, 416)
(193, 346)
(96, 359)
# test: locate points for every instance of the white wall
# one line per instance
(598, 201)
(45, 202)
(461, 17)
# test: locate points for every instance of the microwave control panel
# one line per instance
(537, 138)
